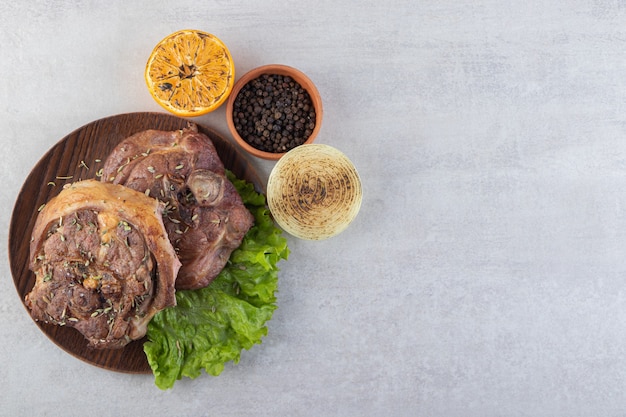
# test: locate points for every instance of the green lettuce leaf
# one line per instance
(210, 326)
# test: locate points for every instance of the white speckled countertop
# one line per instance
(485, 273)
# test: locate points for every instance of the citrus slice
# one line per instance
(190, 73)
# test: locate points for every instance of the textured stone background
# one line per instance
(485, 273)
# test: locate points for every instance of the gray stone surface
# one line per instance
(484, 275)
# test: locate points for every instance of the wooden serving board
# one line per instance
(79, 156)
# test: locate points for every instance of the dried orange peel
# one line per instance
(190, 73)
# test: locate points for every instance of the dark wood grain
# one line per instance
(80, 155)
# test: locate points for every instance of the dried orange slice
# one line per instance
(190, 73)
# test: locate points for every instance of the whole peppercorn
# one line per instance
(273, 113)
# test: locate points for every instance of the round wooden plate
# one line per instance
(79, 156)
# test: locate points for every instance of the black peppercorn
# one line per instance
(273, 113)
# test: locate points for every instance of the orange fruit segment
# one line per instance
(190, 73)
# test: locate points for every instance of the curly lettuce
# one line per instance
(211, 326)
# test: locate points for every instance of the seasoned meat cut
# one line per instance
(103, 263)
(204, 215)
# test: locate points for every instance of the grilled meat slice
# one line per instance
(204, 215)
(103, 263)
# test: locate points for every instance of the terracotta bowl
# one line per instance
(274, 69)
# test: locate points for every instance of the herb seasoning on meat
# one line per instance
(274, 113)
(102, 262)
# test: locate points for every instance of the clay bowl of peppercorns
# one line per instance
(272, 109)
